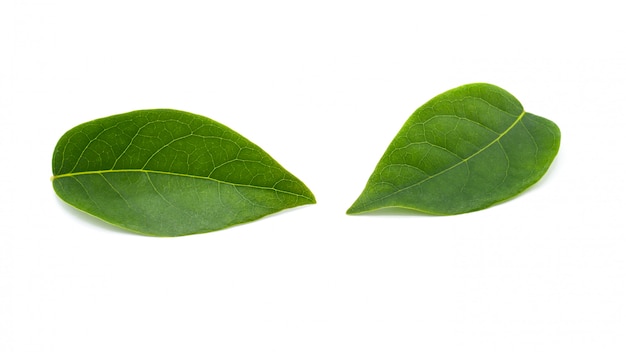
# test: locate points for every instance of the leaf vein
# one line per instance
(465, 160)
(75, 174)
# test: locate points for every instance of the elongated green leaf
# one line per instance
(462, 151)
(170, 173)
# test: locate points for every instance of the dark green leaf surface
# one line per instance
(462, 151)
(170, 173)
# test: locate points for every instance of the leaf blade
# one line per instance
(464, 150)
(170, 173)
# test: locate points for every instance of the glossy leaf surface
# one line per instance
(462, 151)
(170, 173)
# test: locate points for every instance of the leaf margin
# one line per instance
(359, 208)
(307, 196)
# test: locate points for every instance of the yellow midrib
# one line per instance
(517, 120)
(102, 172)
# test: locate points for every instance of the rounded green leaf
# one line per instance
(462, 151)
(170, 173)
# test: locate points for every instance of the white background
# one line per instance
(323, 87)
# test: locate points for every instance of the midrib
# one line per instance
(497, 139)
(155, 172)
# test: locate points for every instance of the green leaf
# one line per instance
(462, 151)
(170, 173)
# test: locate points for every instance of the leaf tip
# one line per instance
(309, 197)
(354, 209)
(310, 201)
